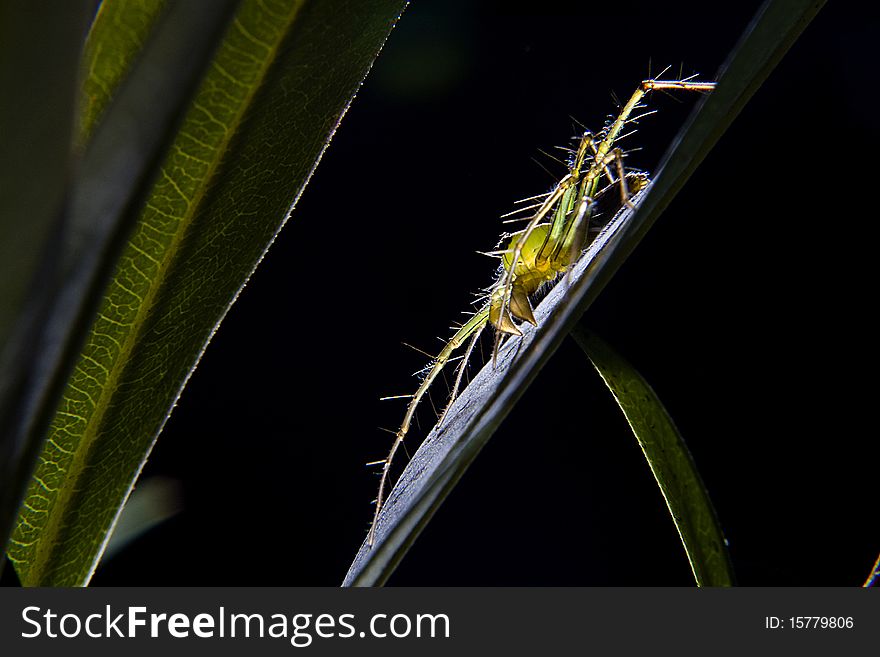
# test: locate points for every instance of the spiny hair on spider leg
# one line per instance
(567, 149)
(552, 157)
(421, 351)
(624, 136)
(532, 198)
(635, 119)
(577, 124)
(420, 374)
(525, 208)
(611, 118)
(616, 99)
(541, 164)
(504, 236)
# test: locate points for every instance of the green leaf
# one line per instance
(120, 29)
(279, 83)
(39, 51)
(669, 459)
(446, 453)
(114, 171)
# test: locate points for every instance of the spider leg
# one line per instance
(621, 177)
(460, 371)
(470, 329)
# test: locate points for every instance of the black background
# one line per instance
(749, 307)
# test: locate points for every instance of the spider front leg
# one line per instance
(617, 157)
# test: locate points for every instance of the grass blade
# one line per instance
(446, 454)
(669, 459)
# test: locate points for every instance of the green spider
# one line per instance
(555, 236)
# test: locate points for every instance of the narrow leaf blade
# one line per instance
(670, 461)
